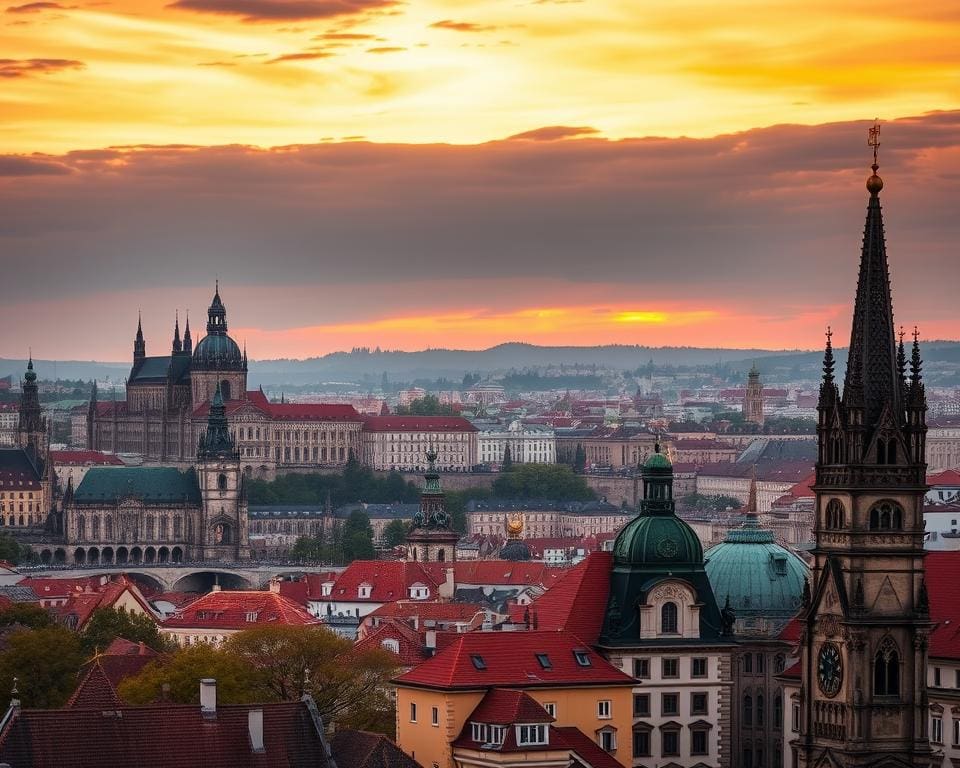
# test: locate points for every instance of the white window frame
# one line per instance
(795, 717)
(936, 729)
(551, 708)
(498, 734)
(435, 717)
(604, 709)
(607, 733)
(413, 711)
(531, 735)
(478, 732)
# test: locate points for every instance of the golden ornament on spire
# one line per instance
(874, 183)
(515, 525)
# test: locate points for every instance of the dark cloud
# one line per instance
(287, 10)
(10, 68)
(462, 26)
(555, 132)
(299, 57)
(36, 8)
(770, 217)
(17, 165)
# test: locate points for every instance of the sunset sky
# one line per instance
(466, 172)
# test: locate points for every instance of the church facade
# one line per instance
(168, 400)
(148, 515)
(866, 623)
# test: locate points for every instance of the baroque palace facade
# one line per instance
(168, 400)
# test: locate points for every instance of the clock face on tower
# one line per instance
(829, 669)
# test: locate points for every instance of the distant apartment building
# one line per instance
(70, 467)
(546, 519)
(9, 418)
(606, 447)
(773, 480)
(402, 442)
(706, 451)
(943, 444)
(528, 443)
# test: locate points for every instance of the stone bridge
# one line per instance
(185, 577)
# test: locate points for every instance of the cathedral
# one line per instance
(865, 623)
(168, 399)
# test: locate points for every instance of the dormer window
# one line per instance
(582, 658)
(668, 619)
(478, 732)
(531, 735)
(252, 616)
(364, 591)
(497, 734)
(326, 589)
(391, 645)
(544, 660)
(478, 661)
(780, 566)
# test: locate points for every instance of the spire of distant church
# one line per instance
(216, 441)
(187, 340)
(217, 314)
(177, 344)
(871, 379)
(139, 345)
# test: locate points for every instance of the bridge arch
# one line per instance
(204, 580)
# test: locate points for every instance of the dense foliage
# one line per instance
(351, 539)
(542, 481)
(107, 624)
(428, 405)
(710, 503)
(45, 663)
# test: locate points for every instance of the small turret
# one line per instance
(139, 345)
(187, 339)
(177, 344)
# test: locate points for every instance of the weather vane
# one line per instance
(874, 140)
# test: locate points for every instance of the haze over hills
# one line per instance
(365, 366)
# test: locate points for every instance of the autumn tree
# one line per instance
(26, 615)
(182, 671)
(45, 662)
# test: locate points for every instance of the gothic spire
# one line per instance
(177, 344)
(187, 340)
(217, 315)
(902, 362)
(216, 441)
(871, 379)
(139, 345)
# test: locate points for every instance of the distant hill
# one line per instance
(941, 358)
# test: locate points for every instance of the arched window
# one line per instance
(777, 709)
(108, 527)
(149, 528)
(886, 516)
(221, 482)
(836, 515)
(81, 528)
(668, 619)
(748, 710)
(760, 710)
(886, 669)
(225, 389)
(95, 528)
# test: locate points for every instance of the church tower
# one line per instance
(224, 529)
(217, 360)
(753, 399)
(865, 622)
(432, 539)
(32, 426)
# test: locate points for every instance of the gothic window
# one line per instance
(108, 527)
(886, 669)
(225, 389)
(95, 528)
(668, 619)
(760, 710)
(221, 482)
(177, 526)
(748, 710)
(836, 515)
(149, 528)
(81, 528)
(886, 516)
(777, 709)
(836, 449)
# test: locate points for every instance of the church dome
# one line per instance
(657, 540)
(761, 578)
(217, 351)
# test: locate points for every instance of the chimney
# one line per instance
(430, 641)
(208, 698)
(275, 585)
(255, 727)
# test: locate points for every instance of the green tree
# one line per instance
(12, 551)
(543, 481)
(710, 502)
(26, 615)
(357, 537)
(350, 687)
(394, 533)
(182, 671)
(107, 624)
(428, 405)
(507, 464)
(45, 662)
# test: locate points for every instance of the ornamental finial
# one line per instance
(874, 183)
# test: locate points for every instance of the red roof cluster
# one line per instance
(943, 575)
(389, 580)
(426, 610)
(240, 610)
(505, 706)
(410, 648)
(497, 573)
(417, 424)
(949, 478)
(514, 659)
(75, 600)
(102, 674)
(85, 458)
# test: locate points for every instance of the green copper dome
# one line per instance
(657, 460)
(657, 540)
(761, 578)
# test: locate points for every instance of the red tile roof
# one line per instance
(313, 412)
(791, 632)
(95, 690)
(792, 672)
(389, 580)
(411, 650)
(506, 706)
(577, 603)
(168, 736)
(239, 610)
(943, 575)
(85, 458)
(949, 477)
(498, 573)
(585, 748)
(417, 424)
(427, 610)
(510, 659)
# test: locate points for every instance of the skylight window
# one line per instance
(583, 658)
(478, 661)
(544, 660)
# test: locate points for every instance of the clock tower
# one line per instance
(866, 619)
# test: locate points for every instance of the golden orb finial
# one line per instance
(874, 183)
(515, 525)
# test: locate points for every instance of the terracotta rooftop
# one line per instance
(943, 575)
(239, 610)
(417, 424)
(389, 580)
(410, 649)
(506, 706)
(85, 458)
(361, 749)
(514, 659)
